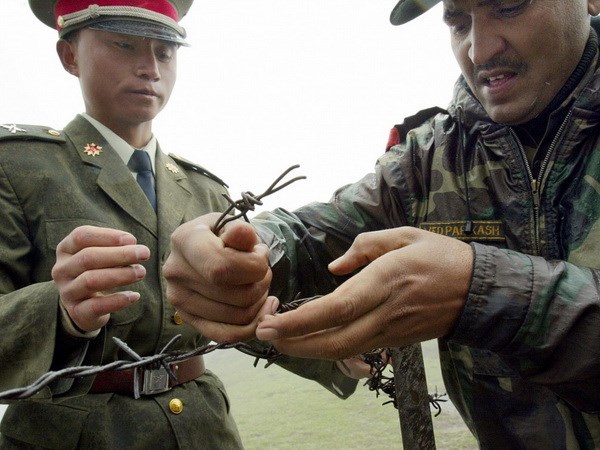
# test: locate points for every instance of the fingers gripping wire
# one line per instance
(166, 356)
(377, 359)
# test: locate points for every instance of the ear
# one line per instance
(66, 54)
(594, 7)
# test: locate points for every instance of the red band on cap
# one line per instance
(64, 7)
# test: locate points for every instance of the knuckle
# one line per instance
(346, 310)
(218, 272)
(89, 281)
(85, 260)
(360, 241)
(177, 296)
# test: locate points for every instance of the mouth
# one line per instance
(145, 92)
(496, 79)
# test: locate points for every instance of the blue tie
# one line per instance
(141, 164)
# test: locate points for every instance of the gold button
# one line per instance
(60, 21)
(54, 132)
(177, 318)
(176, 406)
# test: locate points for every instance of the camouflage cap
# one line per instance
(157, 19)
(407, 10)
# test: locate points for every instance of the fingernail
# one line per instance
(142, 253)
(333, 263)
(132, 296)
(127, 239)
(274, 305)
(140, 271)
(266, 334)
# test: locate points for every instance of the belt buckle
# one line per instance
(155, 381)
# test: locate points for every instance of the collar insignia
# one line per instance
(172, 168)
(92, 149)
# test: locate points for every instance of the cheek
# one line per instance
(169, 78)
(466, 67)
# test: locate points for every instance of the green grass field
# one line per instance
(275, 409)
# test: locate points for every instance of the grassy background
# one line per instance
(275, 409)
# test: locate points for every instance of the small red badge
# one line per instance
(92, 149)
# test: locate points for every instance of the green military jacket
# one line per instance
(523, 362)
(49, 185)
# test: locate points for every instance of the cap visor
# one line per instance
(407, 10)
(139, 28)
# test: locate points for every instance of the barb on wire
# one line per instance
(249, 200)
(382, 383)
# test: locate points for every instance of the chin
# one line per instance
(509, 116)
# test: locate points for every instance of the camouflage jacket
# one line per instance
(51, 182)
(523, 362)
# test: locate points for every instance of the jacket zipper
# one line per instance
(536, 183)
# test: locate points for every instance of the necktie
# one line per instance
(141, 164)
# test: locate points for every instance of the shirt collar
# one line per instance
(123, 149)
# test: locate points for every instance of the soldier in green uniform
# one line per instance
(480, 226)
(84, 230)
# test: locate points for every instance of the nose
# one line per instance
(486, 39)
(147, 65)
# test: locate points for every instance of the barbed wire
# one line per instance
(378, 359)
(162, 359)
(249, 200)
(380, 383)
(165, 356)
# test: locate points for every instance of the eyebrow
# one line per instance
(450, 14)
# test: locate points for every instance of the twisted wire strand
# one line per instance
(140, 362)
(249, 201)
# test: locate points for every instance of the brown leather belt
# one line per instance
(150, 381)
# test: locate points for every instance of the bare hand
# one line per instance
(91, 262)
(219, 284)
(354, 368)
(412, 289)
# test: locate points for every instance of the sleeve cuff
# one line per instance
(72, 329)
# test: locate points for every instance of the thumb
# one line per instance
(240, 236)
(348, 262)
(367, 247)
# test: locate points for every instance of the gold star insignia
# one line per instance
(92, 149)
(172, 168)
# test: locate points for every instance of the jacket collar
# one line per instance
(116, 181)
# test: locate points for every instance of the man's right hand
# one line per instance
(91, 264)
(219, 284)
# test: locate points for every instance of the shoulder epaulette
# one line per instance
(30, 132)
(399, 132)
(198, 168)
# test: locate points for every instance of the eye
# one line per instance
(165, 53)
(511, 8)
(124, 45)
(459, 24)
(460, 29)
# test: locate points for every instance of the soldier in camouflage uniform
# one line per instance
(480, 226)
(82, 248)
